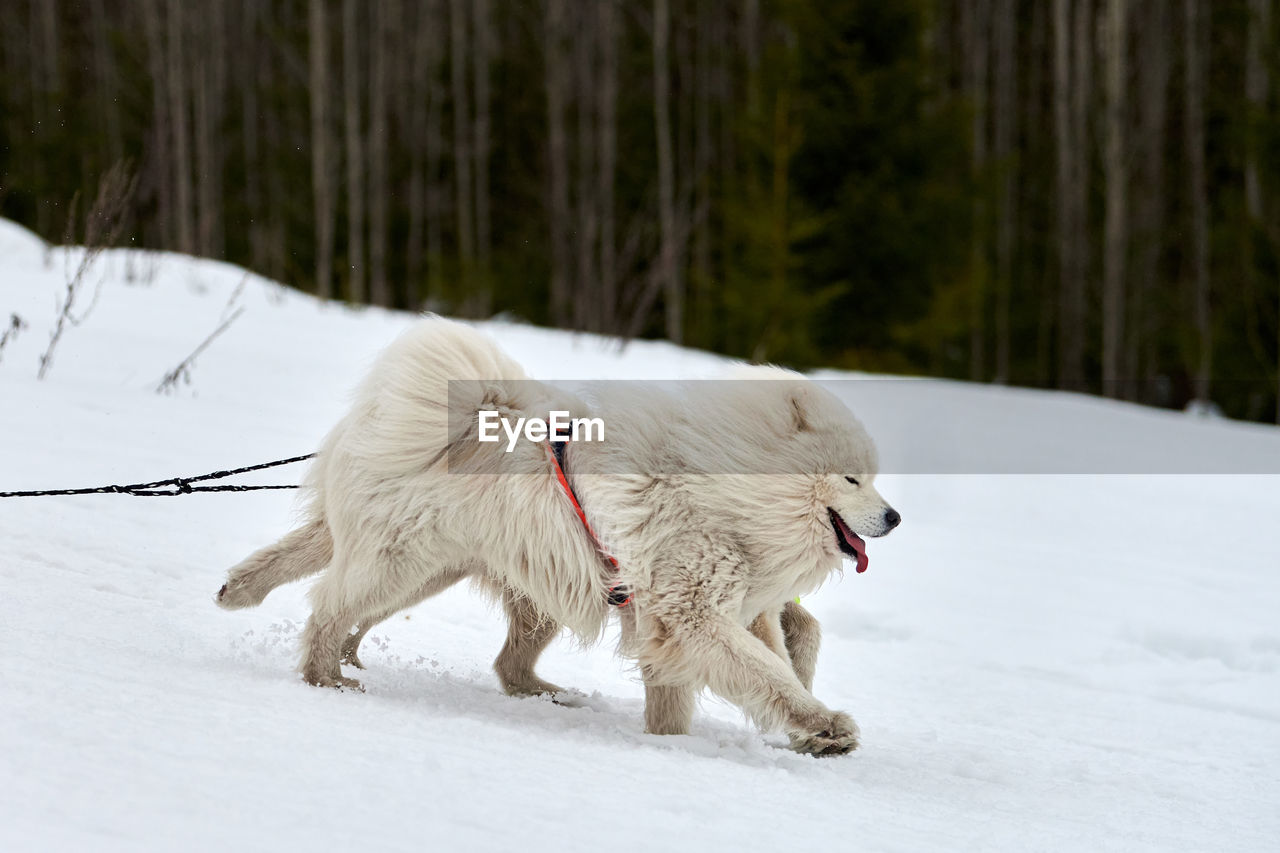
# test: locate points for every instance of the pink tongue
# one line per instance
(856, 541)
(861, 548)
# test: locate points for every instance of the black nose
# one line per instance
(891, 518)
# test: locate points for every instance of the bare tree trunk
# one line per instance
(43, 72)
(558, 155)
(31, 61)
(783, 144)
(1153, 87)
(1072, 86)
(321, 162)
(669, 272)
(1040, 105)
(210, 48)
(750, 39)
(219, 39)
(607, 123)
(585, 221)
(202, 128)
(1117, 235)
(437, 191)
(385, 19)
(1081, 110)
(1006, 118)
(1256, 84)
(684, 132)
(33, 66)
(977, 42)
(49, 52)
(462, 150)
(105, 70)
(160, 169)
(482, 54)
(178, 116)
(276, 137)
(727, 101)
(355, 151)
(1067, 253)
(702, 158)
(249, 122)
(422, 66)
(50, 91)
(1193, 127)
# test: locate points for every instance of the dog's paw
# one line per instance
(351, 656)
(570, 698)
(236, 593)
(837, 735)
(340, 682)
(531, 685)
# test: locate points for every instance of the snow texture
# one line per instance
(1037, 661)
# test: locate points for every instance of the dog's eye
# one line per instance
(851, 480)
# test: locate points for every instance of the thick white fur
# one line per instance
(716, 506)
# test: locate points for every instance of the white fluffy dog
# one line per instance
(720, 507)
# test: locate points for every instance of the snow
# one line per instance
(1070, 643)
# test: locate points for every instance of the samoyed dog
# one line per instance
(698, 519)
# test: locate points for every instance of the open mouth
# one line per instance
(850, 543)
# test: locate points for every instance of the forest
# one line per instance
(1076, 194)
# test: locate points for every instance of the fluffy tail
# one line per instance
(303, 552)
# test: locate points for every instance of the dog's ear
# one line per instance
(798, 403)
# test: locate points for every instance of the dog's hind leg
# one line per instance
(529, 632)
(347, 595)
(803, 635)
(350, 653)
(300, 553)
(332, 617)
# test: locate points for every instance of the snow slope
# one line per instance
(1076, 655)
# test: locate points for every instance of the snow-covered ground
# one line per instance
(1077, 655)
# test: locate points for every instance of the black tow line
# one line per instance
(171, 487)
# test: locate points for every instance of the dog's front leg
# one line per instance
(793, 635)
(668, 708)
(768, 630)
(714, 649)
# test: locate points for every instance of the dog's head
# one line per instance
(820, 440)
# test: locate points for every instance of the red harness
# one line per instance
(618, 594)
